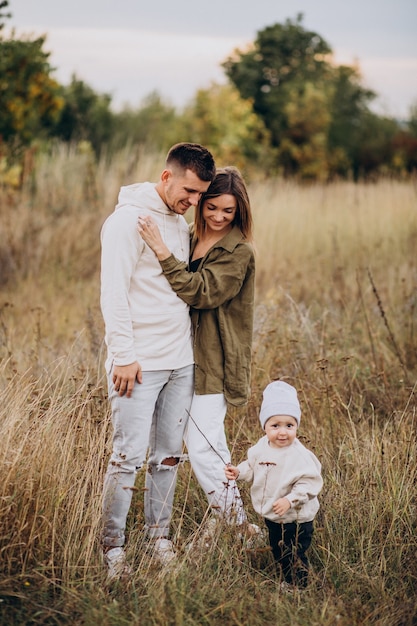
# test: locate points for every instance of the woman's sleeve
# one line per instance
(220, 279)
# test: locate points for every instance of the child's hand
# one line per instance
(281, 506)
(231, 472)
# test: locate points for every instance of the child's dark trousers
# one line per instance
(289, 543)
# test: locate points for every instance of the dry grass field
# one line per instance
(336, 316)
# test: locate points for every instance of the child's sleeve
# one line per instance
(309, 482)
(246, 467)
(245, 471)
(304, 489)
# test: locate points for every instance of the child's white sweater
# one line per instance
(293, 472)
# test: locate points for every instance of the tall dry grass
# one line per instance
(335, 316)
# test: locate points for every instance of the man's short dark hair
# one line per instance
(194, 157)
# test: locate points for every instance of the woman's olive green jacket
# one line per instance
(221, 297)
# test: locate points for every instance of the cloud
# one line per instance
(130, 63)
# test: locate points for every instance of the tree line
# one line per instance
(287, 109)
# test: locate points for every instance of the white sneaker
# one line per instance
(117, 566)
(291, 589)
(286, 587)
(164, 551)
(211, 531)
(206, 535)
(255, 529)
(253, 536)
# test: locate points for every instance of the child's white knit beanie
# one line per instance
(279, 398)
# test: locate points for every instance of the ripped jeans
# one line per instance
(147, 427)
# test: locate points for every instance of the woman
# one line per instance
(218, 285)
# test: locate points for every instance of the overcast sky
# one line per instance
(129, 48)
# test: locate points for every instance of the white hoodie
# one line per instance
(145, 320)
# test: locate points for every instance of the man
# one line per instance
(150, 357)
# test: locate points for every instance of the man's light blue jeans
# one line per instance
(147, 427)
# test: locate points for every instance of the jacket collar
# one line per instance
(228, 242)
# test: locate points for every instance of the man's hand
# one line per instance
(125, 376)
(281, 506)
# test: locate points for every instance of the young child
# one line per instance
(286, 479)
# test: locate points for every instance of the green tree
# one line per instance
(374, 152)
(86, 115)
(220, 119)
(405, 142)
(349, 115)
(303, 149)
(317, 113)
(153, 124)
(3, 5)
(30, 100)
(412, 121)
(284, 58)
